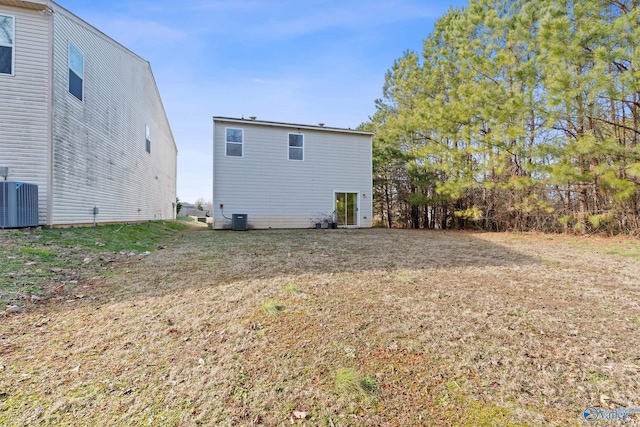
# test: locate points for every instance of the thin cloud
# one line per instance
(132, 32)
(294, 20)
(348, 16)
(231, 6)
(275, 20)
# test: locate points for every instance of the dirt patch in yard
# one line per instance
(58, 263)
(336, 327)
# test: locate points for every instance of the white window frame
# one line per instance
(12, 46)
(335, 206)
(289, 147)
(241, 143)
(69, 45)
(147, 138)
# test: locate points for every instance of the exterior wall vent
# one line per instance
(18, 204)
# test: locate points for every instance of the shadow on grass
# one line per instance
(206, 258)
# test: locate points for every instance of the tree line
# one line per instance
(518, 115)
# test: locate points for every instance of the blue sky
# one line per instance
(283, 60)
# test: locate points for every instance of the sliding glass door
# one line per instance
(347, 209)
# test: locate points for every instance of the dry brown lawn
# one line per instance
(336, 328)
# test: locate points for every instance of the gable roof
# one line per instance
(119, 45)
(51, 6)
(288, 125)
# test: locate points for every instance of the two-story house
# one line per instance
(81, 117)
(284, 175)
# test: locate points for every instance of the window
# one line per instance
(76, 72)
(147, 136)
(234, 140)
(296, 146)
(7, 31)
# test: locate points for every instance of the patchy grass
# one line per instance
(461, 410)
(42, 262)
(272, 307)
(381, 327)
(348, 381)
(291, 289)
(40, 254)
(630, 251)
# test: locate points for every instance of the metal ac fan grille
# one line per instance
(4, 204)
(18, 204)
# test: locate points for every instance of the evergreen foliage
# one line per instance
(518, 115)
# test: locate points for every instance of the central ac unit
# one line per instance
(18, 204)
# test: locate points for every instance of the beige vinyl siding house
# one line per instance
(84, 121)
(284, 175)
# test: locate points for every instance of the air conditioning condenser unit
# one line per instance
(18, 204)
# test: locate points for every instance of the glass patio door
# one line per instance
(347, 209)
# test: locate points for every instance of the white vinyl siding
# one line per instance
(7, 43)
(24, 106)
(276, 192)
(97, 155)
(296, 146)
